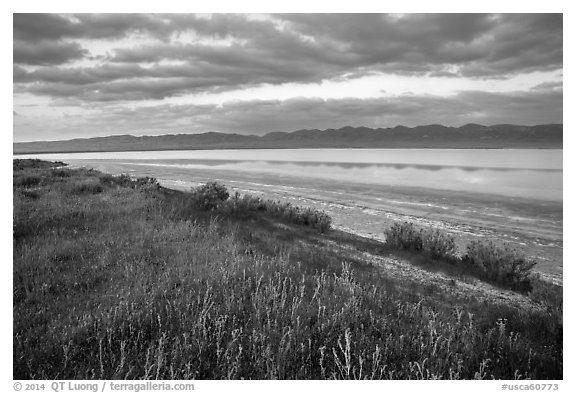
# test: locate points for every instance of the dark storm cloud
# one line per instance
(133, 82)
(284, 48)
(46, 52)
(46, 39)
(481, 45)
(522, 43)
(34, 27)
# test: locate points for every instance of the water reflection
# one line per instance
(539, 183)
(482, 158)
(528, 173)
(343, 165)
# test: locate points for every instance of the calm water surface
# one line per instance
(529, 173)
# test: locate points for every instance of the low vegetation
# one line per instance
(129, 280)
(242, 206)
(501, 265)
(209, 196)
(214, 197)
(432, 242)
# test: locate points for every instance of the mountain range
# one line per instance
(545, 136)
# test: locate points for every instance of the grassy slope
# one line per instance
(115, 282)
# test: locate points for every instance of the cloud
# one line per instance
(34, 27)
(122, 67)
(206, 69)
(125, 82)
(260, 117)
(477, 44)
(235, 51)
(46, 52)
(554, 86)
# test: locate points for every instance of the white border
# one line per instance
(296, 6)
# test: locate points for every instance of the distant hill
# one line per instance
(477, 136)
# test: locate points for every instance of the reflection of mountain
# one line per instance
(342, 165)
(430, 136)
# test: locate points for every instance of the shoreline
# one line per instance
(532, 226)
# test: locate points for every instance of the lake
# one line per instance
(506, 196)
(527, 173)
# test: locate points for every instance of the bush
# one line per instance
(107, 179)
(438, 244)
(146, 182)
(404, 237)
(243, 206)
(210, 196)
(123, 180)
(432, 242)
(323, 221)
(500, 265)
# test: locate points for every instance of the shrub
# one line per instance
(432, 242)
(404, 237)
(500, 265)
(242, 206)
(210, 196)
(123, 180)
(323, 221)
(438, 244)
(107, 179)
(146, 182)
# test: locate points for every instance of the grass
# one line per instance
(134, 282)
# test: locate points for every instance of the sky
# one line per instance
(87, 75)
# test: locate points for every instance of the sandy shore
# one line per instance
(532, 226)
